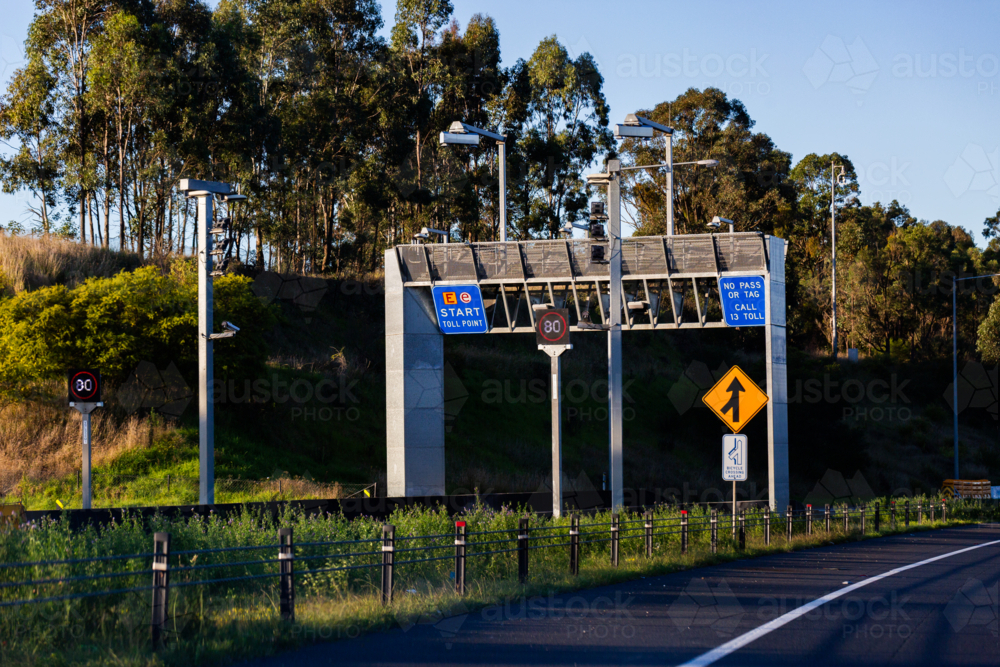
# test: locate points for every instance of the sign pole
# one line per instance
(734, 508)
(552, 334)
(85, 397)
(86, 461)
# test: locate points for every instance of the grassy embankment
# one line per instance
(896, 432)
(239, 620)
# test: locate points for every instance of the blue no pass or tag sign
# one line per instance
(743, 301)
(460, 309)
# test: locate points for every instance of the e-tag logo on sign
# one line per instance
(460, 309)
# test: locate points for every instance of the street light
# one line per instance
(835, 180)
(717, 222)
(205, 192)
(460, 134)
(637, 127)
(954, 355)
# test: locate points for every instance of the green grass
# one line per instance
(223, 622)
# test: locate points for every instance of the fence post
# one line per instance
(161, 585)
(920, 513)
(862, 519)
(614, 539)
(715, 531)
(460, 557)
(574, 545)
(907, 513)
(743, 529)
(286, 563)
(649, 534)
(932, 511)
(684, 531)
(878, 517)
(522, 549)
(809, 519)
(826, 517)
(388, 549)
(892, 514)
(944, 510)
(767, 526)
(788, 522)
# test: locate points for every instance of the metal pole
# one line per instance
(206, 408)
(954, 368)
(502, 147)
(86, 461)
(556, 438)
(833, 250)
(670, 184)
(734, 508)
(615, 336)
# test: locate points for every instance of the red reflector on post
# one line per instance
(460, 524)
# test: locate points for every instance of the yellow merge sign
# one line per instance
(735, 399)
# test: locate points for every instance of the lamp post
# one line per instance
(834, 181)
(954, 354)
(468, 135)
(205, 192)
(610, 180)
(637, 127)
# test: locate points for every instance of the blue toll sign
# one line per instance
(460, 309)
(743, 301)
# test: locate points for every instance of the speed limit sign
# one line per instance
(84, 386)
(552, 327)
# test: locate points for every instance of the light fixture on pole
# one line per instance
(205, 192)
(954, 354)
(461, 134)
(836, 178)
(637, 127)
(718, 222)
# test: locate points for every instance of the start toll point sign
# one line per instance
(460, 309)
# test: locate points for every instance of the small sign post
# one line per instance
(552, 335)
(85, 397)
(734, 463)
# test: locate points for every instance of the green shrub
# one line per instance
(114, 323)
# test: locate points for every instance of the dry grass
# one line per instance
(42, 440)
(29, 262)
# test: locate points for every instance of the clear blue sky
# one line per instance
(910, 92)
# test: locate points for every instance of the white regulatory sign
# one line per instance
(734, 457)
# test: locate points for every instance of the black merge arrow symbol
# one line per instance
(734, 400)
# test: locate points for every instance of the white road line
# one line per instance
(741, 641)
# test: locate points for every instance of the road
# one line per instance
(764, 611)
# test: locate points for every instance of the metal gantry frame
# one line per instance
(683, 270)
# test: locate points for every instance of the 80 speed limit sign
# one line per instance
(84, 386)
(552, 327)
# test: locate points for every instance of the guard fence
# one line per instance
(287, 569)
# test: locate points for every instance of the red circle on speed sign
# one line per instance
(84, 386)
(552, 327)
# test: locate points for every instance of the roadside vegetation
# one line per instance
(219, 623)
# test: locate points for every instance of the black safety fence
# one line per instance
(152, 586)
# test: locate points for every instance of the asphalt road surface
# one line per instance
(877, 602)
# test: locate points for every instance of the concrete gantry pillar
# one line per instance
(776, 353)
(414, 388)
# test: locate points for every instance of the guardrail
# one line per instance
(382, 558)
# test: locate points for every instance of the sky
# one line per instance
(908, 91)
